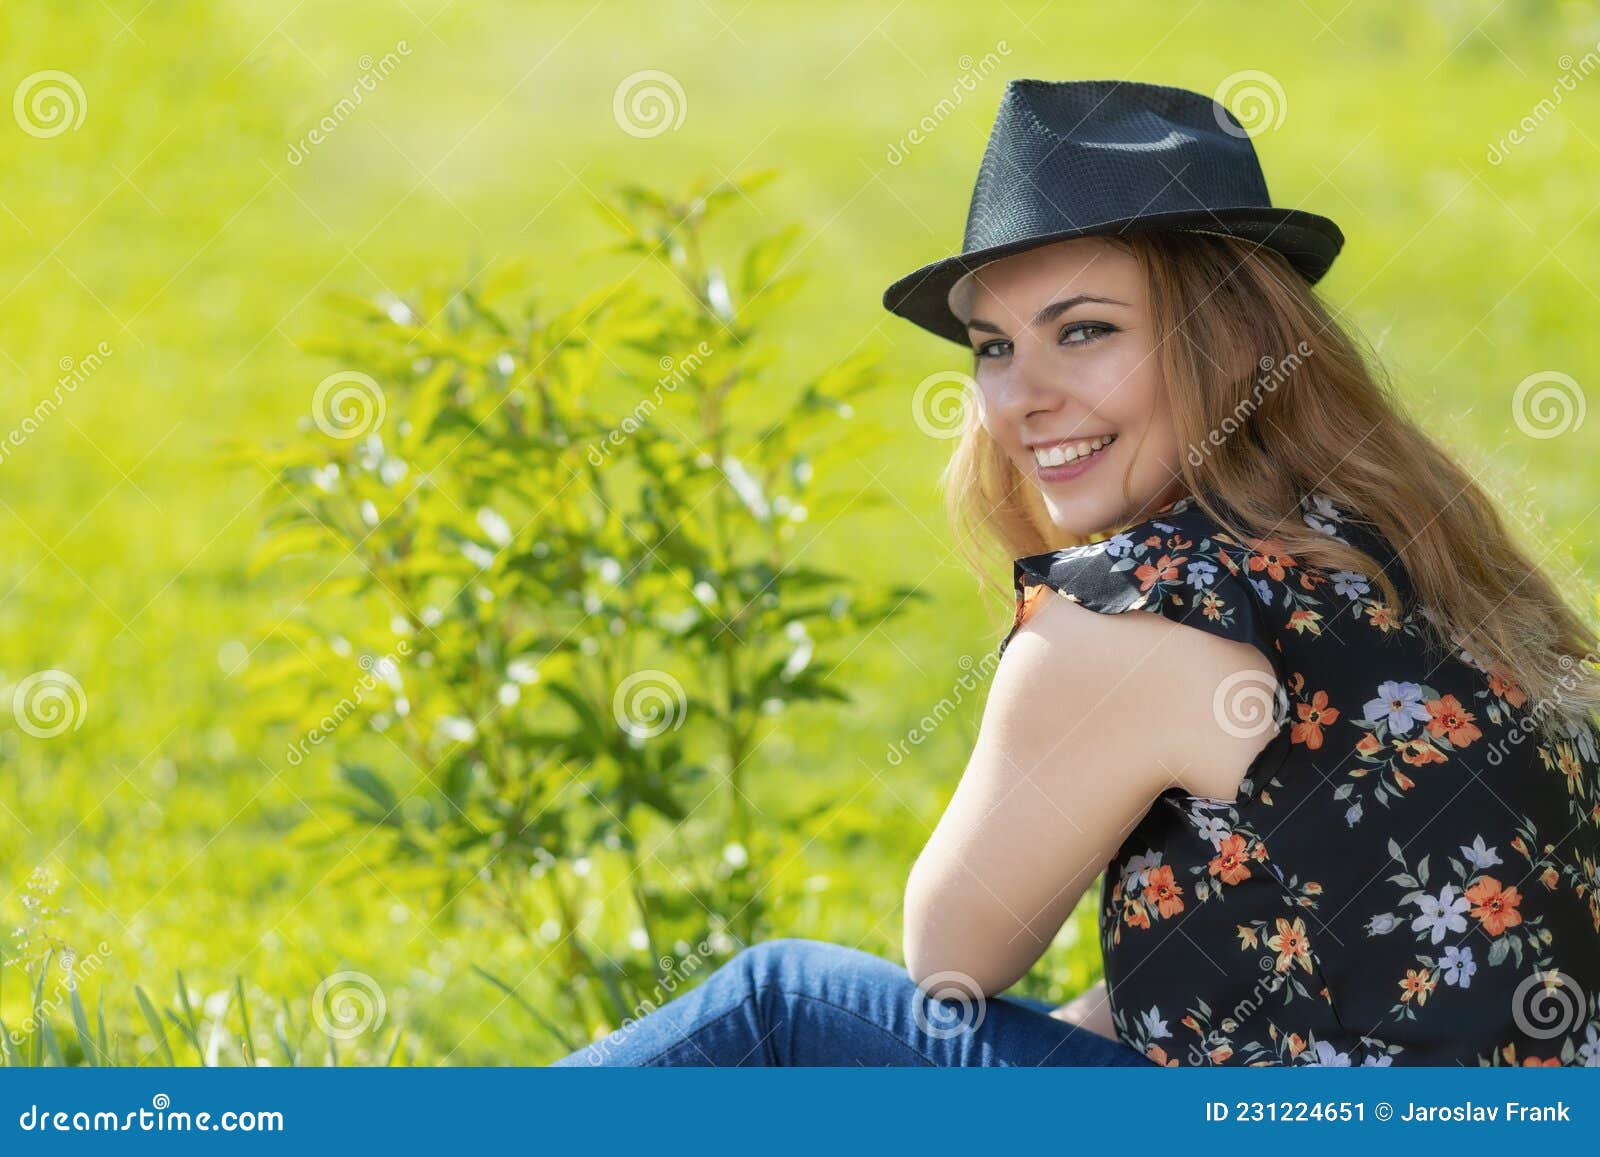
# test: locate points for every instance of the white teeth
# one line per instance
(1062, 453)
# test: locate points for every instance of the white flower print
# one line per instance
(1327, 1055)
(1589, 1050)
(1441, 913)
(1351, 584)
(1155, 1028)
(1399, 703)
(1117, 545)
(1382, 924)
(1201, 574)
(1210, 827)
(1458, 966)
(1136, 872)
(1479, 856)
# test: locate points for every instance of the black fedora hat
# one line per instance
(1083, 158)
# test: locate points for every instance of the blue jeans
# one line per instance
(806, 1002)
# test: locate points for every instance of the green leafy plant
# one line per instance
(586, 529)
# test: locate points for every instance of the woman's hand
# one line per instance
(1090, 1009)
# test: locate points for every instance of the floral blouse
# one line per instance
(1408, 873)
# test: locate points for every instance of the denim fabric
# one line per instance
(810, 1003)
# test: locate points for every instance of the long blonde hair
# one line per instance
(1330, 427)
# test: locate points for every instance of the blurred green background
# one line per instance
(179, 228)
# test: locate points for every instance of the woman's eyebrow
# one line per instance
(1050, 312)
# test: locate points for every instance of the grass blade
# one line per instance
(80, 1022)
(544, 1023)
(156, 1027)
(248, 1047)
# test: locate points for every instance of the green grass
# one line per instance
(172, 227)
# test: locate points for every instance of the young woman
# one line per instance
(1341, 774)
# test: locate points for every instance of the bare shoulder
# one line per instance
(1167, 695)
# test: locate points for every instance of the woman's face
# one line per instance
(1066, 362)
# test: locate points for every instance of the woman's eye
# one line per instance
(1080, 328)
(1078, 333)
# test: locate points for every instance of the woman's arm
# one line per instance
(1090, 717)
(1091, 1010)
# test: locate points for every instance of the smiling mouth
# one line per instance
(1066, 453)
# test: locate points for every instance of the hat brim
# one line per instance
(1309, 241)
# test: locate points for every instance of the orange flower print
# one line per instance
(1211, 606)
(1570, 766)
(1507, 689)
(1191, 1024)
(1494, 905)
(1221, 1053)
(1382, 617)
(1291, 945)
(1272, 559)
(1297, 1044)
(1159, 1055)
(1247, 937)
(1229, 862)
(1368, 744)
(1418, 752)
(1165, 570)
(1535, 1062)
(1305, 622)
(1134, 914)
(1404, 781)
(1418, 982)
(1163, 891)
(1550, 878)
(1313, 717)
(1452, 720)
